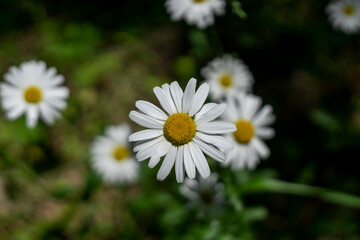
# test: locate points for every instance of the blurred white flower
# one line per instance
(34, 90)
(195, 12)
(184, 133)
(204, 194)
(227, 76)
(111, 155)
(252, 127)
(345, 15)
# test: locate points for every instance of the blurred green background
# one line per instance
(113, 53)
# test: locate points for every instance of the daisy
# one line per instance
(345, 15)
(35, 91)
(252, 127)
(111, 155)
(195, 12)
(226, 76)
(184, 133)
(205, 194)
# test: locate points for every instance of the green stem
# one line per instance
(277, 186)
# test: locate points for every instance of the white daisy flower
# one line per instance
(195, 12)
(345, 15)
(184, 133)
(204, 194)
(227, 76)
(111, 155)
(252, 127)
(34, 90)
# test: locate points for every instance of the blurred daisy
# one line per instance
(204, 194)
(111, 155)
(184, 133)
(252, 127)
(35, 91)
(195, 12)
(345, 15)
(226, 76)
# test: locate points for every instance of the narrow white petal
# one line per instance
(260, 147)
(189, 163)
(211, 114)
(167, 164)
(179, 165)
(145, 134)
(32, 115)
(15, 112)
(199, 160)
(166, 91)
(265, 132)
(163, 100)
(160, 152)
(218, 141)
(177, 95)
(210, 150)
(250, 105)
(148, 152)
(199, 99)
(151, 110)
(188, 95)
(207, 107)
(145, 120)
(216, 127)
(264, 116)
(147, 144)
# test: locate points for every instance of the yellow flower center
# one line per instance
(244, 132)
(226, 80)
(121, 152)
(33, 94)
(199, 1)
(349, 10)
(179, 129)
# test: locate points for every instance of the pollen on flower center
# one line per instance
(244, 132)
(179, 129)
(121, 152)
(199, 1)
(226, 80)
(33, 94)
(349, 10)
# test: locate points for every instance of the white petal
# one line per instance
(47, 113)
(189, 163)
(264, 116)
(177, 94)
(188, 95)
(199, 160)
(167, 164)
(163, 100)
(265, 132)
(145, 120)
(216, 127)
(15, 112)
(32, 115)
(147, 144)
(179, 165)
(150, 151)
(260, 147)
(160, 152)
(210, 150)
(207, 107)
(218, 141)
(250, 105)
(145, 134)
(211, 114)
(151, 110)
(199, 99)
